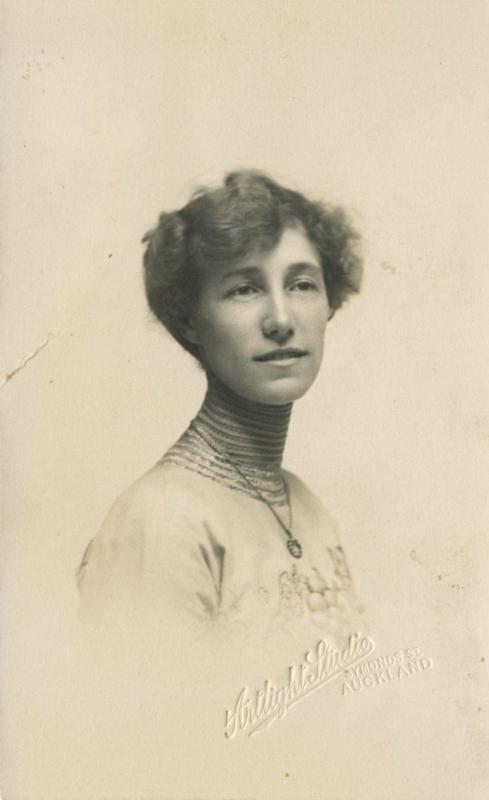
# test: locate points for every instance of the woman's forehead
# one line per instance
(293, 246)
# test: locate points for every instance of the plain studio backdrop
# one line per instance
(114, 111)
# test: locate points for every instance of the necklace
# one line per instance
(293, 545)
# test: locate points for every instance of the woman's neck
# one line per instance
(252, 434)
(236, 442)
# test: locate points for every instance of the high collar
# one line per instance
(251, 434)
(236, 442)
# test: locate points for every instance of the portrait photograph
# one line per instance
(245, 400)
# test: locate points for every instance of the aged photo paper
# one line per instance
(115, 111)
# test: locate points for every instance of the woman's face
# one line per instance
(260, 323)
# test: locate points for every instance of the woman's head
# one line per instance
(247, 266)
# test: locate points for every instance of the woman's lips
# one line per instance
(280, 355)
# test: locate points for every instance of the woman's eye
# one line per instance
(304, 285)
(246, 290)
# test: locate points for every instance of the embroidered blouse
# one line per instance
(189, 552)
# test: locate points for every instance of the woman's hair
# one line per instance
(219, 226)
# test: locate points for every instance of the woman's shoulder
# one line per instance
(165, 507)
(306, 497)
(164, 495)
(298, 488)
(174, 486)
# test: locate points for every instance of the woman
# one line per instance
(217, 538)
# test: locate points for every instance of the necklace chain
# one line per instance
(293, 545)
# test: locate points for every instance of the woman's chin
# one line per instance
(275, 393)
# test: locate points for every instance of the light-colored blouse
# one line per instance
(184, 557)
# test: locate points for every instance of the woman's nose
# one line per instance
(278, 323)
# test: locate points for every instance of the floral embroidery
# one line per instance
(324, 600)
(341, 569)
(264, 594)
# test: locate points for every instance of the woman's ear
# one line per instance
(187, 329)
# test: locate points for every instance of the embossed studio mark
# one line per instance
(385, 669)
(254, 712)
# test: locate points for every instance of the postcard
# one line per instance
(245, 385)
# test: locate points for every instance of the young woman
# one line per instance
(217, 538)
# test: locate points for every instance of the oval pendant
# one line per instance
(294, 547)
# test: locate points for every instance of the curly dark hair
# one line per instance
(248, 213)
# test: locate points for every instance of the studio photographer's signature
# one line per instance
(254, 712)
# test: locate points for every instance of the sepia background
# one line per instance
(114, 111)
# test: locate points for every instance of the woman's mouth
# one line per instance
(282, 354)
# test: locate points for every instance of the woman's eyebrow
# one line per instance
(253, 271)
(241, 272)
(300, 266)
